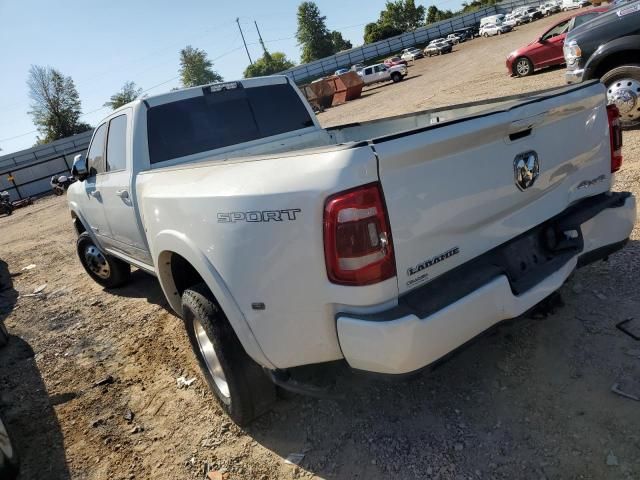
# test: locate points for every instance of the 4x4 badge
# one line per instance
(526, 169)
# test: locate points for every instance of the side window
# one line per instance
(368, 71)
(557, 30)
(95, 157)
(117, 144)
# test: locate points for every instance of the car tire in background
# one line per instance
(623, 89)
(522, 67)
(396, 77)
(8, 455)
(106, 270)
(241, 386)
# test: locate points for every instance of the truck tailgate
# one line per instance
(451, 189)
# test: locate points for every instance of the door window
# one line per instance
(368, 71)
(117, 144)
(557, 30)
(95, 157)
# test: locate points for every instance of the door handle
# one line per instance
(95, 193)
(123, 194)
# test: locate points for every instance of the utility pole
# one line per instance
(260, 37)
(243, 40)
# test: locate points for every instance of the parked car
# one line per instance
(282, 244)
(456, 38)
(492, 19)
(491, 29)
(393, 61)
(438, 47)
(608, 48)
(549, 8)
(441, 39)
(532, 13)
(381, 73)
(411, 54)
(341, 71)
(466, 33)
(510, 20)
(546, 50)
(573, 4)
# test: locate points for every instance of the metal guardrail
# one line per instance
(27, 173)
(393, 45)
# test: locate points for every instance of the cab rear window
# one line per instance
(220, 119)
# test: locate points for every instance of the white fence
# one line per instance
(392, 46)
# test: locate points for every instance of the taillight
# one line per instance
(615, 136)
(357, 239)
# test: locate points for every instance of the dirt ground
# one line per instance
(530, 400)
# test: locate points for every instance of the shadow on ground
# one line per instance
(25, 405)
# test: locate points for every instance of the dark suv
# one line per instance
(608, 48)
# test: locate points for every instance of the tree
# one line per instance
(402, 15)
(128, 93)
(55, 104)
(312, 34)
(434, 14)
(339, 43)
(268, 64)
(374, 32)
(195, 68)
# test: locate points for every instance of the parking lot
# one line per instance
(89, 381)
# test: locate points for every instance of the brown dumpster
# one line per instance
(319, 94)
(347, 87)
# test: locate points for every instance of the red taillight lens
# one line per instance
(615, 136)
(357, 239)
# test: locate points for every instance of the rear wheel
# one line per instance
(241, 385)
(106, 270)
(623, 90)
(523, 67)
(8, 455)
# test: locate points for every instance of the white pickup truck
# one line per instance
(382, 73)
(386, 244)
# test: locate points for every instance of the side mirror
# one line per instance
(80, 169)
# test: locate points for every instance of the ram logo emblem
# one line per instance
(526, 169)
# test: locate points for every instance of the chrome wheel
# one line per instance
(96, 262)
(624, 94)
(211, 358)
(523, 67)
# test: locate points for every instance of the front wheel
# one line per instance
(396, 77)
(242, 387)
(106, 270)
(523, 67)
(623, 90)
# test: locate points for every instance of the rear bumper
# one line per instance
(402, 340)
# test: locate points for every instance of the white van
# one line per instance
(492, 19)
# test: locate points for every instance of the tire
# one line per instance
(522, 67)
(4, 334)
(106, 270)
(396, 77)
(630, 76)
(8, 455)
(241, 386)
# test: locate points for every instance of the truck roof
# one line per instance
(184, 93)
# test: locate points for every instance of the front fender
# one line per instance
(76, 214)
(629, 42)
(168, 242)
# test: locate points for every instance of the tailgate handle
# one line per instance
(523, 128)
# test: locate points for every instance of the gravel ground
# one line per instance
(88, 382)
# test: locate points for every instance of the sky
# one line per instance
(101, 45)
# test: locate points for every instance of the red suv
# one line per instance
(393, 61)
(546, 50)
